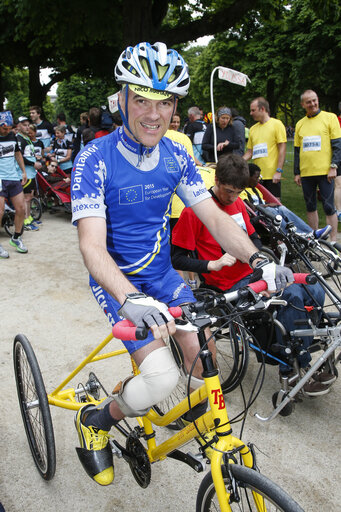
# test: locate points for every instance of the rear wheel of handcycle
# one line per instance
(34, 407)
(8, 222)
(36, 208)
(269, 496)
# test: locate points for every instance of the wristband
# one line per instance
(255, 256)
(279, 170)
(333, 166)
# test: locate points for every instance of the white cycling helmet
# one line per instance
(153, 66)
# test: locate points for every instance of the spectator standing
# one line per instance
(44, 128)
(62, 149)
(78, 140)
(95, 119)
(267, 145)
(195, 129)
(226, 140)
(11, 183)
(317, 152)
(38, 145)
(69, 133)
(31, 165)
(239, 126)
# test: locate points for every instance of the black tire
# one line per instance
(270, 254)
(36, 208)
(247, 480)
(8, 223)
(37, 420)
(232, 355)
(287, 410)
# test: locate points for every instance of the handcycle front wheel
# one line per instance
(270, 497)
(34, 407)
(36, 209)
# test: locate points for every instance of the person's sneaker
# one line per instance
(192, 284)
(323, 232)
(314, 388)
(95, 453)
(30, 227)
(18, 243)
(36, 222)
(324, 377)
(3, 253)
(339, 216)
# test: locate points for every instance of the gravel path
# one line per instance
(45, 296)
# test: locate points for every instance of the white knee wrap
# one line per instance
(159, 376)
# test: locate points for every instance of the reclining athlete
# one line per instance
(122, 190)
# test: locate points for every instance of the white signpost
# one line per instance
(230, 75)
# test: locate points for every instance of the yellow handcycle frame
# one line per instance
(217, 415)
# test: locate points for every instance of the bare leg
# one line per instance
(19, 206)
(332, 220)
(313, 219)
(337, 193)
(2, 208)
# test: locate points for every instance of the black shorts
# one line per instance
(274, 188)
(9, 188)
(29, 185)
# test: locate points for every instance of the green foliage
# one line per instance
(78, 94)
(16, 90)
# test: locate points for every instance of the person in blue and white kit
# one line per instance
(122, 189)
(11, 184)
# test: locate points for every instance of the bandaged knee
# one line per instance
(159, 376)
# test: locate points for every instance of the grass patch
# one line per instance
(292, 195)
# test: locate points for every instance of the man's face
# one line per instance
(34, 116)
(310, 103)
(255, 112)
(148, 119)
(4, 130)
(227, 194)
(24, 127)
(254, 179)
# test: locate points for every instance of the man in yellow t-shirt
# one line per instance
(267, 145)
(317, 154)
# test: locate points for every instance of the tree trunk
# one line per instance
(37, 92)
(2, 92)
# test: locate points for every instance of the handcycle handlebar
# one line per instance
(127, 330)
(276, 218)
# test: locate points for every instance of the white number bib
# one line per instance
(312, 143)
(260, 150)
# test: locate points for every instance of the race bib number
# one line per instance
(260, 150)
(239, 219)
(312, 143)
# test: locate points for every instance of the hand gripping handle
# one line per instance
(261, 286)
(125, 329)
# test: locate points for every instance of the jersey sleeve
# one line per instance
(249, 227)
(88, 185)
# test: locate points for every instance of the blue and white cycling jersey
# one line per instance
(110, 179)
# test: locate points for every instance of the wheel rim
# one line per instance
(33, 417)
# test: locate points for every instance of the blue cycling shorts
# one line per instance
(170, 288)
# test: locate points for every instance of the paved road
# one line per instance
(45, 296)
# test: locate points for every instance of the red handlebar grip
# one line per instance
(261, 286)
(175, 311)
(125, 329)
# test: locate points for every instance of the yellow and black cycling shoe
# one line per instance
(94, 453)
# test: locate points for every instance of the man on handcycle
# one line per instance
(122, 188)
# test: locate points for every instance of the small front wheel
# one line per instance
(34, 407)
(36, 208)
(287, 409)
(254, 492)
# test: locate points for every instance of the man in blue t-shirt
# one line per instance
(11, 184)
(122, 190)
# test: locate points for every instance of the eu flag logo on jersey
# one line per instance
(131, 195)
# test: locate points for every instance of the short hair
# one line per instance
(262, 102)
(60, 128)
(305, 92)
(61, 117)
(84, 116)
(194, 111)
(95, 116)
(33, 127)
(88, 135)
(225, 110)
(36, 108)
(253, 168)
(232, 170)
